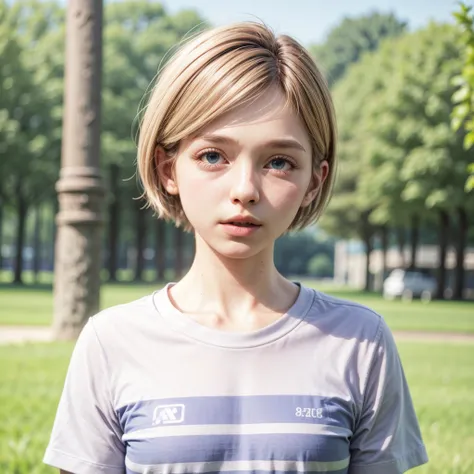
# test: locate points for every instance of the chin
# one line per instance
(236, 250)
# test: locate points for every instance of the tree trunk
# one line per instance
(140, 241)
(401, 241)
(414, 240)
(37, 243)
(460, 254)
(22, 210)
(192, 249)
(160, 246)
(1, 234)
(443, 246)
(179, 250)
(54, 231)
(384, 242)
(114, 224)
(368, 252)
(367, 232)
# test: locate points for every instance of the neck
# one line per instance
(233, 286)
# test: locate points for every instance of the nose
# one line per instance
(244, 183)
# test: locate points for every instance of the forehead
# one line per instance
(268, 117)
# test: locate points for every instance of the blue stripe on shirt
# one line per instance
(235, 410)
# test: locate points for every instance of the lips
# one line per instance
(243, 221)
(242, 224)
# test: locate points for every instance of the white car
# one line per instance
(409, 284)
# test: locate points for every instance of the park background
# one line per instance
(403, 88)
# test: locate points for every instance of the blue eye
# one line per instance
(278, 163)
(211, 157)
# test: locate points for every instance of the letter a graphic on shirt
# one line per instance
(167, 414)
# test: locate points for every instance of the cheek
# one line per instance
(195, 191)
(285, 196)
(195, 197)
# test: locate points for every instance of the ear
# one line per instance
(164, 167)
(318, 179)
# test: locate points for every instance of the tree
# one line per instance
(160, 244)
(321, 266)
(348, 215)
(395, 120)
(348, 41)
(30, 107)
(355, 96)
(463, 114)
(433, 170)
(138, 35)
(14, 81)
(309, 243)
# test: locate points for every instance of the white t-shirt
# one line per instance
(321, 390)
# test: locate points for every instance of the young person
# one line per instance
(235, 369)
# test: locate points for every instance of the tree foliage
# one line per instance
(31, 35)
(349, 40)
(463, 114)
(137, 37)
(394, 93)
(400, 161)
(413, 157)
(398, 154)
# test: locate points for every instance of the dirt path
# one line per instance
(23, 334)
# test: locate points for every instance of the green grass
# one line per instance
(31, 381)
(441, 380)
(436, 316)
(34, 306)
(440, 376)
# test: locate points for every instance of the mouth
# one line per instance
(242, 221)
(242, 224)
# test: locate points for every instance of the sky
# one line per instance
(310, 20)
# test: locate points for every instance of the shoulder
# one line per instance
(344, 318)
(124, 325)
(124, 313)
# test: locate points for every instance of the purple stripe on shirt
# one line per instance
(236, 410)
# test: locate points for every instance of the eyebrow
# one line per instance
(285, 143)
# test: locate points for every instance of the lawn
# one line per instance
(440, 376)
(34, 306)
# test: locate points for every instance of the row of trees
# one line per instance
(402, 167)
(158, 252)
(463, 112)
(137, 37)
(401, 164)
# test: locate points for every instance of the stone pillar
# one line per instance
(80, 189)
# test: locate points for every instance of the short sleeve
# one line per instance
(86, 436)
(387, 438)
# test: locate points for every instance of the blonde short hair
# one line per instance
(217, 71)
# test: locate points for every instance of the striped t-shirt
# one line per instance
(321, 390)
